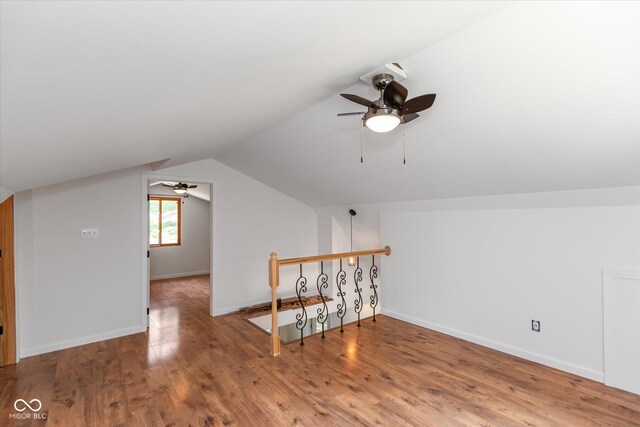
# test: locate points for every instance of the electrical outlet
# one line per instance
(535, 325)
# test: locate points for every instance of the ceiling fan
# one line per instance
(180, 187)
(392, 108)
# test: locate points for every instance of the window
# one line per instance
(164, 221)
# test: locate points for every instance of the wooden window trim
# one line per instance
(179, 201)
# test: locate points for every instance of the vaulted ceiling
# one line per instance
(90, 87)
(539, 96)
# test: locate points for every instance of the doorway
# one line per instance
(178, 246)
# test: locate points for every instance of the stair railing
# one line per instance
(322, 283)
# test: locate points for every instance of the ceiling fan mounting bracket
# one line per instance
(392, 68)
(380, 81)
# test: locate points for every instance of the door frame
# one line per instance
(144, 243)
(609, 277)
(8, 287)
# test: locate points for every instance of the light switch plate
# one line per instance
(88, 233)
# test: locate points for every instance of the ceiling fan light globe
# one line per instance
(180, 190)
(382, 123)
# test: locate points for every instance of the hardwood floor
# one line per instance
(191, 369)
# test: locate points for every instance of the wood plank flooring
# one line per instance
(191, 369)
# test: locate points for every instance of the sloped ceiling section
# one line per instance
(89, 87)
(536, 97)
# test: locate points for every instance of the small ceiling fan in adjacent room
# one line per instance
(392, 108)
(180, 188)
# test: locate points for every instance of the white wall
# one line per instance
(192, 256)
(482, 268)
(73, 291)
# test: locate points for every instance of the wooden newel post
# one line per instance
(274, 279)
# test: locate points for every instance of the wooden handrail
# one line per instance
(303, 260)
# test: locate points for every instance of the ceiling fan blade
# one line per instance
(358, 100)
(168, 185)
(350, 114)
(395, 94)
(409, 117)
(419, 103)
(191, 186)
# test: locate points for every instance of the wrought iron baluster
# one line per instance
(357, 278)
(373, 274)
(301, 318)
(341, 280)
(322, 283)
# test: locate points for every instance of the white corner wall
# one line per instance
(74, 291)
(192, 256)
(481, 268)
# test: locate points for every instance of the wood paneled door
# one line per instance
(7, 287)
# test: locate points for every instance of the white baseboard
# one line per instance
(505, 348)
(174, 275)
(82, 341)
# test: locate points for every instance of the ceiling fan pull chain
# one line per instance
(404, 148)
(361, 158)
